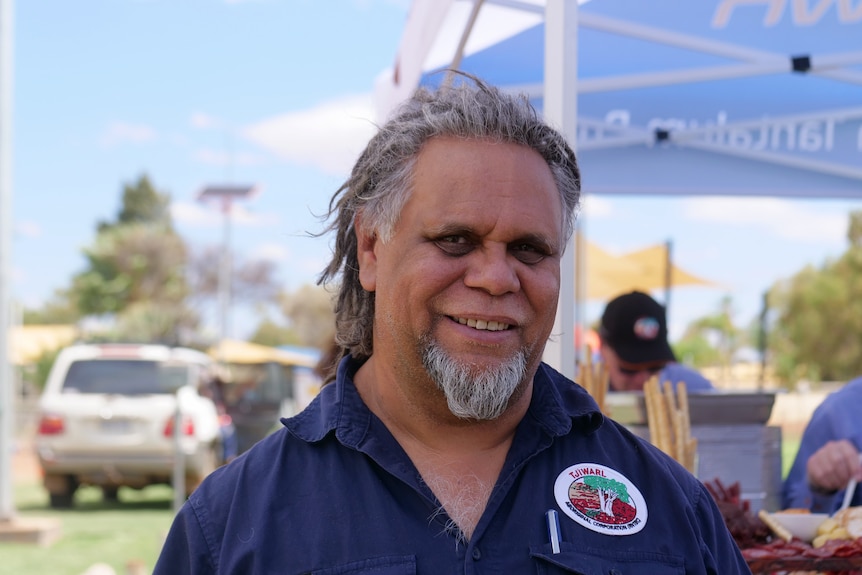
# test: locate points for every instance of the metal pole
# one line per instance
(560, 110)
(668, 277)
(179, 471)
(7, 506)
(224, 276)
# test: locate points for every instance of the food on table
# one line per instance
(745, 528)
(850, 519)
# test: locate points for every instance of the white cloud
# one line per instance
(783, 218)
(195, 214)
(203, 215)
(121, 132)
(596, 206)
(272, 252)
(218, 158)
(329, 136)
(28, 229)
(202, 120)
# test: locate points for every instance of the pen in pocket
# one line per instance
(553, 530)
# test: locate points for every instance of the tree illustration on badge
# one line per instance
(603, 499)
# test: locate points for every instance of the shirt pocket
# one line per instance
(589, 561)
(390, 565)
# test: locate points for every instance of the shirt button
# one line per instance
(476, 554)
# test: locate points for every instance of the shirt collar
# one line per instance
(556, 407)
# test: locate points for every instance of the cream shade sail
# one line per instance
(236, 351)
(646, 270)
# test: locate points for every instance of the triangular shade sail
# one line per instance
(235, 351)
(645, 270)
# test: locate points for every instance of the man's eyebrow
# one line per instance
(451, 229)
(458, 229)
(539, 240)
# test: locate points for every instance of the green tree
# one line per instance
(136, 271)
(59, 309)
(711, 340)
(270, 333)
(311, 315)
(142, 204)
(609, 491)
(252, 281)
(129, 264)
(817, 331)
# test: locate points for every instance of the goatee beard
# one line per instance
(472, 393)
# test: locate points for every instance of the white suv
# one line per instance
(107, 418)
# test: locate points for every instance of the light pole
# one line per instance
(225, 195)
(7, 507)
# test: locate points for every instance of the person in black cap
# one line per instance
(635, 347)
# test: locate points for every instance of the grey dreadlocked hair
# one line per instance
(381, 181)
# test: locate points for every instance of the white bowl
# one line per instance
(801, 525)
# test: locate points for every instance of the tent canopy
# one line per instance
(720, 97)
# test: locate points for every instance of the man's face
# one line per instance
(474, 263)
(622, 379)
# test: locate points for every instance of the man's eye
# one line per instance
(528, 253)
(454, 245)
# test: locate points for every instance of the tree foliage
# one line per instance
(711, 340)
(270, 333)
(311, 315)
(60, 309)
(141, 204)
(135, 271)
(252, 281)
(817, 331)
(130, 264)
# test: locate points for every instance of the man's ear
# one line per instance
(366, 241)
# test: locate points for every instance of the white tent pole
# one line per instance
(462, 42)
(560, 110)
(7, 506)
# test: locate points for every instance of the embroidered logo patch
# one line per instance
(601, 499)
(647, 328)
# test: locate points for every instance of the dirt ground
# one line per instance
(25, 465)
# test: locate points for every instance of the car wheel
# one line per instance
(110, 493)
(61, 490)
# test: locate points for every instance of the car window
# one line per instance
(126, 377)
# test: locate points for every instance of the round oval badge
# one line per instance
(601, 499)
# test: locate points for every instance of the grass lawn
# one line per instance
(789, 447)
(93, 531)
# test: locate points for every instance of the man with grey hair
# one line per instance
(445, 445)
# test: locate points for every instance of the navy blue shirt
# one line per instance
(334, 493)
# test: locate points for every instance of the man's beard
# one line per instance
(471, 393)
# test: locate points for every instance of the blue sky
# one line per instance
(278, 93)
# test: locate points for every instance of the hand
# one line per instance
(832, 466)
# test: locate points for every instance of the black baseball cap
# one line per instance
(634, 325)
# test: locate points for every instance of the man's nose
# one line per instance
(493, 269)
